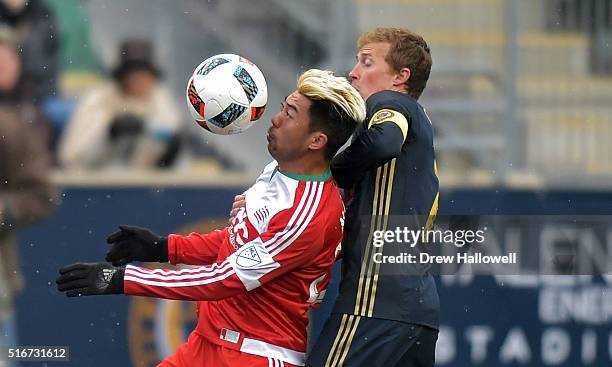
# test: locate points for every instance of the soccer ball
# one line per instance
(226, 94)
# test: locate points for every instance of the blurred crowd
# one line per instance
(123, 118)
(26, 195)
(130, 120)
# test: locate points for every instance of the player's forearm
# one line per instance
(206, 283)
(196, 248)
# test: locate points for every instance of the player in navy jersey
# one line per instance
(256, 279)
(385, 315)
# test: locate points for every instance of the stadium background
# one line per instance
(521, 99)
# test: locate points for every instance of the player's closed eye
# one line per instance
(285, 109)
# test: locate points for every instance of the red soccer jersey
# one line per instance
(264, 271)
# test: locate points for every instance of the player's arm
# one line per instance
(212, 282)
(140, 244)
(380, 142)
(279, 250)
(196, 248)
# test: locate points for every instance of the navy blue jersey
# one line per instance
(390, 170)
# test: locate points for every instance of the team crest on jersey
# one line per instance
(382, 115)
(248, 257)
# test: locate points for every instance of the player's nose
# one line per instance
(275, 120)
(353, 74)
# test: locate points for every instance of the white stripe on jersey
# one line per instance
(293, 217)
(205, 275)
(173, 272)
(288, 232)
(287, 235)
(203, 272)
(178, 284)
(310, 213)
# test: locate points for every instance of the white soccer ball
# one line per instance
(226, 94)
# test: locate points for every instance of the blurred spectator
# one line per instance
(25, 192)
(128, 121)
(36, 31)
(78, 62)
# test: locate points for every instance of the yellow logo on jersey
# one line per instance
(395, 117)
(382, 115)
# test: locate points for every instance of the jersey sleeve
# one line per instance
(379, 142)
(294, 238)
(196, 248)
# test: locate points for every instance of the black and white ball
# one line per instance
(226, 94)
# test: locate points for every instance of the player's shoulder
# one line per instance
(272, 187)
(270, 195)
(392, 105)
(269, 169)
(388, 102)
(303, 190)
(266, 174)
(392, 101)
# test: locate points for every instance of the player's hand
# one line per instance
(239, 203)
(82, 279)
(136, 244)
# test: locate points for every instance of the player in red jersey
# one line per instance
(257, 278)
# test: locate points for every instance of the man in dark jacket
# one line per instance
(25, 191)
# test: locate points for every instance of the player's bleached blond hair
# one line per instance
(336, 107)
(324, 85)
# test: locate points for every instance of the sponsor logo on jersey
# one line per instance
(238, 230)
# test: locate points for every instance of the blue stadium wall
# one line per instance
(486, 320)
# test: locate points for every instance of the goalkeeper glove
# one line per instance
(82, 279)
(136, 244)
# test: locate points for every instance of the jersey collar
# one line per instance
(324, 177)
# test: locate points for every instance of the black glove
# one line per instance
(83, 279)
(136, 244)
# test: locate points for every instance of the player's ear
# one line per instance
(318, 141)
(401, 77)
